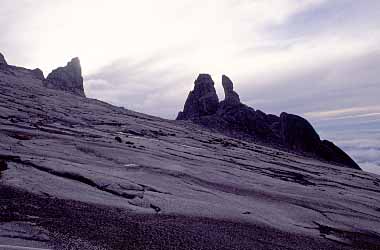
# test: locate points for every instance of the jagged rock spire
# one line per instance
(2, 59)
(68, 78)
(202, 101)
(231, 97)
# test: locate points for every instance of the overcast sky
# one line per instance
(316, 58)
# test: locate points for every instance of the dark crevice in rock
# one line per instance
(366, 240)
(30, 238)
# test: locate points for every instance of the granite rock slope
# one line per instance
(83, 174)
(288, 131)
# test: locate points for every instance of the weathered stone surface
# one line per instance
(202, 101)
(68, 78)
(2, 59)
(231, 97)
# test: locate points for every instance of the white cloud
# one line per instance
(345, 113)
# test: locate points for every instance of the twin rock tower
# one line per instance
(235, 119)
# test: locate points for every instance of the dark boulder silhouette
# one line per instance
(68, 78)
(236, 119)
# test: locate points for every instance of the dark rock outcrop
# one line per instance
(202, 101)
(235, 119)
(2, 59)
(68, 78)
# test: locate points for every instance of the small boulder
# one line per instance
(155, 208)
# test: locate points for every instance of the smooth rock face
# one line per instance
(202, 101)
(231, 97)
(68, 78)
(238, 120)
(2, 59)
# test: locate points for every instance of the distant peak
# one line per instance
(2, 59)
(68, 78)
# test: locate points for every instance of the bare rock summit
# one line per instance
(68, 78)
